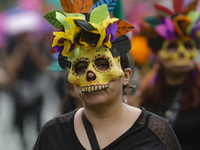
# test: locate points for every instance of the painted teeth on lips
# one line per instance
(96, 87)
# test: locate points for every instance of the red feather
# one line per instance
(163, 9)
(178, 6)
(53, 50)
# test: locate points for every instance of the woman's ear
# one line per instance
(127, 76)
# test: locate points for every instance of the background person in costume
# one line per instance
(140, 52)
(171, 89)
(94, 48)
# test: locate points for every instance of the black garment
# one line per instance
(149, 132)
(186, 126)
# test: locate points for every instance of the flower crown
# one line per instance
(78, 28)
(183, 22)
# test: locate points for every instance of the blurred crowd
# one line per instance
(30, 93)
(33, 89)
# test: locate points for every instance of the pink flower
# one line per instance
(166, 29)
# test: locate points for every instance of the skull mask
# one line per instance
(97, 62)
(178, 53)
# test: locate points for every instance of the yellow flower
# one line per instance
(65, 40)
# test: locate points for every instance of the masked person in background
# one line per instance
(94, 48)
(171, 89)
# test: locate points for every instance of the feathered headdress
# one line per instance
(84, 25)
(183, 22)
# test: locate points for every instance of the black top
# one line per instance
(186, 126)
(149, 132)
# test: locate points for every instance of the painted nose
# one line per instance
(90, 76)
(181, 55)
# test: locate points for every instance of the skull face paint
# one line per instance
(178, 53)
(94, 68)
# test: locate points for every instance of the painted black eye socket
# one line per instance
(102, 64)
(80, 67)
(172, 47)
(188, 46)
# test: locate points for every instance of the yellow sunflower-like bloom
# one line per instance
(100, 32)
(65, 40)
(80, 34)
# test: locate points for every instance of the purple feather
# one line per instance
(111, 29)
(58, 48)
(61, 40)
(196, 29)
(166, 29)
(72, 47)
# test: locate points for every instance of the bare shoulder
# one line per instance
(77, 116)
(133, 113)
(134, 110)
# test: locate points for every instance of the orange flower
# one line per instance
(181, 23)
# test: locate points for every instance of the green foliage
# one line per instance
(153, 21)
(51, 18)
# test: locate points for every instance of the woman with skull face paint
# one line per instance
(171, 89)
(99, 70)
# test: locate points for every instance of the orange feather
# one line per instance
(67, 6)
(123, 27)
(191, 6)
(82, 6)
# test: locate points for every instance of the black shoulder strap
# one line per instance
(90, 133)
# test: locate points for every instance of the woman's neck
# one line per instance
(108, 126)
(104, 115)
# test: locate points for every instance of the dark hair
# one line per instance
(155, 41)
(125, 61)
(154, 88)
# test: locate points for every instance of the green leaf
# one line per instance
(162, 14)
(190, 28)
(75, 15)
(51, 18)
(153, 21)
(61, 18)
(193, 15)
(99, 14)
(74, 55)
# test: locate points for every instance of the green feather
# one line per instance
(51, 18)
(153, 21)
